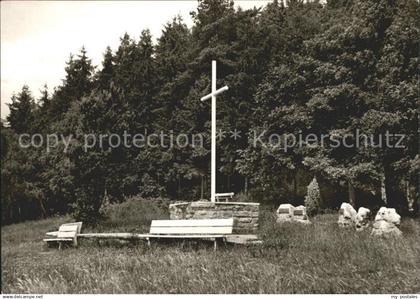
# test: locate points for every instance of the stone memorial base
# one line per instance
(289, 213)
(245, 214)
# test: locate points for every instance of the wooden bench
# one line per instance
(55, 233)
(224, 196)
(207, 229)
(213, 229)
(66, 233)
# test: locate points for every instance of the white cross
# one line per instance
(213, 95)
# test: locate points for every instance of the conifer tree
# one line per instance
(21, 116)
(313, 198)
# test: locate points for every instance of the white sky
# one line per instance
(38, 36)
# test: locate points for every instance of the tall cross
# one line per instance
(212, 95)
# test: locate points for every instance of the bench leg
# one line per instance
(148, 242)
(215, 244)
(59, 245)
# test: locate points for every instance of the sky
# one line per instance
(37, 37)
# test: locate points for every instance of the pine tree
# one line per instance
(77, 83)
(21, 117)
(42, 111)
(105, 76)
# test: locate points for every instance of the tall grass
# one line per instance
(317, 258)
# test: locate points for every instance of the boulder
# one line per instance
(347, 215)
(389, 215)
(287, 212)
(299, 215)
(386, 223)
(362, 219)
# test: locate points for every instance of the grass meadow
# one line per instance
(295, 258)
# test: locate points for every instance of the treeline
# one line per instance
(300, 68)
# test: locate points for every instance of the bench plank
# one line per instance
(212, 237)
(142, 236)
(127, 236)
(192, 226)
(57, 239)
(71, 234)
(178, 230)
(192, 222)
(52, 234)
(225, 195)
(67, 228)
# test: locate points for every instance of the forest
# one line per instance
(299, 67)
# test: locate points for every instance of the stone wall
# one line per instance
(245, 214)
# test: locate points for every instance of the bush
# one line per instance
(242, 197)
(312, 198)
(86, 208)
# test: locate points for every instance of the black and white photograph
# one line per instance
(210, 147)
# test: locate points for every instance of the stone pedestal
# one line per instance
(245, 214)
(287, 212)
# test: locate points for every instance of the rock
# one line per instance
(347, 215)
(385, 229)
(201, 204)
(287, 212)
(362, 219)
(299, 215)
(386, 223)
(389, 215)
(177, 211)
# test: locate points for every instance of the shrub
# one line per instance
(86, 208)
(312, 198)
(242, 197)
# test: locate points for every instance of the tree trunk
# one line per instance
(410, 195)
(41, 205)
(205, 186)
(246, 185)
(202, 188)
(179, 185)
(389, 187)
(10, 209)
(352, 195)
(294, 187)
(383, 190)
